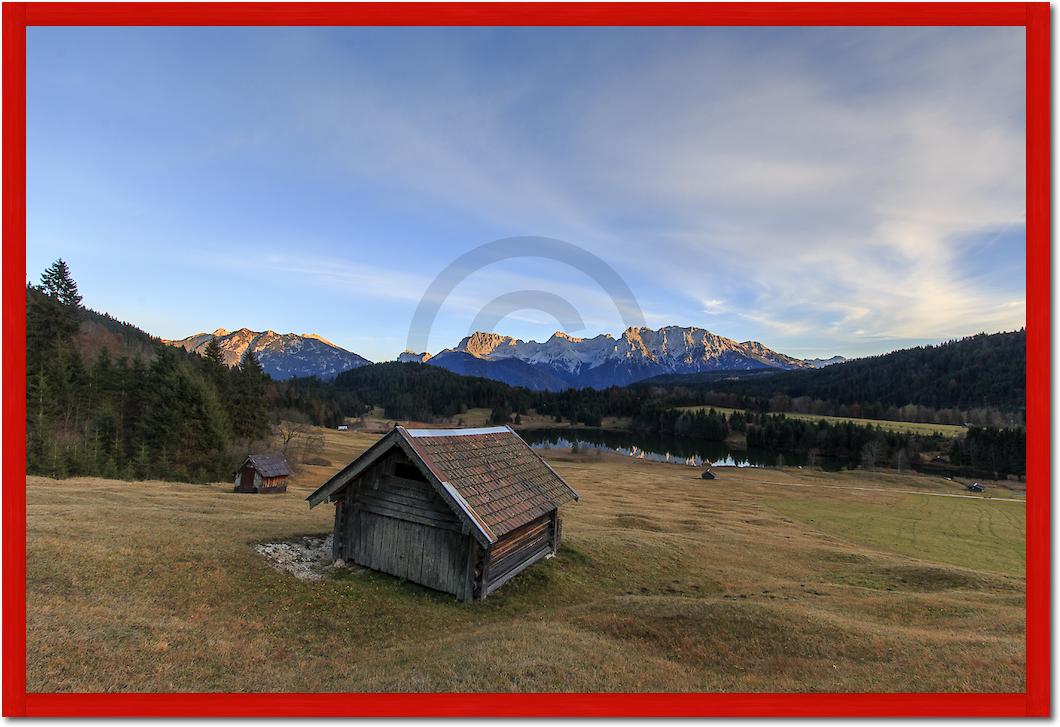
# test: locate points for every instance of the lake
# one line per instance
(677, 450)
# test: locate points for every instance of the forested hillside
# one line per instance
(976, 375)
(103, 397)
(417, 391)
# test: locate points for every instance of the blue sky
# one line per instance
(821, 190)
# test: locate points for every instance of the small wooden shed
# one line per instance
(459, 510)
(262, 473)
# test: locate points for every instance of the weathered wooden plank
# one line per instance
(438, 509)
(416, 557)
(500, 566)
(501, 580)
(408, 484)
(509, 542)
(339, 532)
(421, 496)
(470, 575)
(379, 543)
(398, 506)
(386, 511)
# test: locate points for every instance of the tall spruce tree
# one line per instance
(250, 411)
(57, 282)
(217, 370)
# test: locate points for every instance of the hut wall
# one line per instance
(273, 484)
(518, 550)
(397, 524)
(240, 487)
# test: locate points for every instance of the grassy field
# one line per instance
(948, 430)
(760, 580)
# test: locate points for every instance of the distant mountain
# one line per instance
(564, 362)
(282, 356)
(820, 363)
(407, 356)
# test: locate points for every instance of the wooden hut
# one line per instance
(458, 510)
(262, 473)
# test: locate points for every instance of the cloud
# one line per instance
(819, 185)
(811, 187)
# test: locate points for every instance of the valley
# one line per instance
(762, 580)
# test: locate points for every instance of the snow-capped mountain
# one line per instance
(564, 361)
(407, 356)
(820, 363)
(282, 355)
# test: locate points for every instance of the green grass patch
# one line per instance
(985, 535)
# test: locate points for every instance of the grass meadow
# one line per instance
(947, 430)
(762, 580)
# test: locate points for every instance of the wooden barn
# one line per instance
(262, 473)
(458, 510)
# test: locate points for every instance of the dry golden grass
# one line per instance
(760, 580)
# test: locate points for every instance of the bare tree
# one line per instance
(291, 427)
(871, 453)
(811, 457)
(312, 444)
(900, 459)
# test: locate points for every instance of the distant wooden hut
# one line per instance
(262, 473)
(459, 510)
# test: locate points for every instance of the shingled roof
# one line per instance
(490, 475)
(269, 465)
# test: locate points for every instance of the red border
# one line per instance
(1033, 16)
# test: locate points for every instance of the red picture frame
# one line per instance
(1032, 16)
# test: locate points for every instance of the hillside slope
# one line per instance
(982, 371)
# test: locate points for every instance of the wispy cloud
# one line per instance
(815, 188)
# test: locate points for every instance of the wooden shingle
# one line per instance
(502, 480)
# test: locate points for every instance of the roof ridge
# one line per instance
(454, 431)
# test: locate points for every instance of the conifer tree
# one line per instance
(217, 372)
(250, 413)
(57, 282)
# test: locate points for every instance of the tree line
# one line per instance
(173, 416)
(979, 379)
(992, 450)
(146, 410)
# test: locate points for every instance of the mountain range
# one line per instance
(561, 362)
(282, 355)
(564, 362)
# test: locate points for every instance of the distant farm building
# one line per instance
(459, 510)
(262, 473)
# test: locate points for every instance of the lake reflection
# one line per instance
(675, 450)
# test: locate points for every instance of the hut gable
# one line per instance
(459, 510)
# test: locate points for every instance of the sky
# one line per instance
(821, 190)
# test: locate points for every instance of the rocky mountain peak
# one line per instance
(481, 343)
(282, 356)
